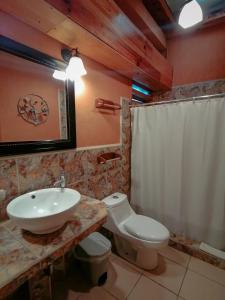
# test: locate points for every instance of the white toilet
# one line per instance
(138, 238)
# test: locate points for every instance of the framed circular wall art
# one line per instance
(33, 109)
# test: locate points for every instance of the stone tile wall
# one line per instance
(192, 90)
(25, 173)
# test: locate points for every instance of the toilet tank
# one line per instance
(118, 209)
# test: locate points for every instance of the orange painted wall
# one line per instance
(96, 127)
(93, 128)
(198, 56)
(18, 83)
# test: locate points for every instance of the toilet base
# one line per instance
(147, 258)
(144, 258)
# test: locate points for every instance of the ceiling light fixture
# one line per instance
(75, 68)
(190, 15)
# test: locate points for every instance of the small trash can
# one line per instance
(93, 254)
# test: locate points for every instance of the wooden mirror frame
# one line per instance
(13, 148)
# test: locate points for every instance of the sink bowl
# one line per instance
(43, 211)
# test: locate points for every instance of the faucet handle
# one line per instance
(62, 174)
(63, 179)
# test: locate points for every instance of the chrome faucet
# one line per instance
(61, 182)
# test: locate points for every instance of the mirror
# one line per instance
(37, 111)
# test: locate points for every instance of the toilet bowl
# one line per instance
(138, 238)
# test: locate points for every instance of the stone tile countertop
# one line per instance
(23, 254)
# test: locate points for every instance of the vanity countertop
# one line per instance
(23, 254)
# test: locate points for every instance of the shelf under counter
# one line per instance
(23, 254)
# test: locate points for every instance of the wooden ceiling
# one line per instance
(165, 13)
(119, 34)
(160, 11)
(209, 7)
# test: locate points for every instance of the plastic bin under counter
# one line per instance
(23, 254)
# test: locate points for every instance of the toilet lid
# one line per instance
(146, 228)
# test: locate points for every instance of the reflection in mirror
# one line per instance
(33, 103)
(37, 110)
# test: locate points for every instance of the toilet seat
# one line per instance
(146, 228)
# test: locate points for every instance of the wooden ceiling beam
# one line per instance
(107, 22)
(161, 12)
(116, 43)
(214, 20)
(139, 15)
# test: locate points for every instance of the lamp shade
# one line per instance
(75, 68)
(190, 14)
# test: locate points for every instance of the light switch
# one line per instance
(2, 195)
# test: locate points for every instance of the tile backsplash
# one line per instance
(25, 173)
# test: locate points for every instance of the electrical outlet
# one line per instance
(2, 195)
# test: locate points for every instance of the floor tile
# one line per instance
(197, 287)
(96, 293)
(122, 277)
(207, 270)
(169, 274)
(71, 295)
(131, 265)
(71, 286)
(177, 256)
(146, 289)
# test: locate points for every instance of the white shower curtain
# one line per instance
(178, 167)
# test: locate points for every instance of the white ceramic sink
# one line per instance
(43, 211)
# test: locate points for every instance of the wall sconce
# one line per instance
(75, 68)
(190, 14)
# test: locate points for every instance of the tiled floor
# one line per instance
(178, 277)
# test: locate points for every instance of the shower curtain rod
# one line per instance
(205, 97)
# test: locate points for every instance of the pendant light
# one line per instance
(190, 15)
